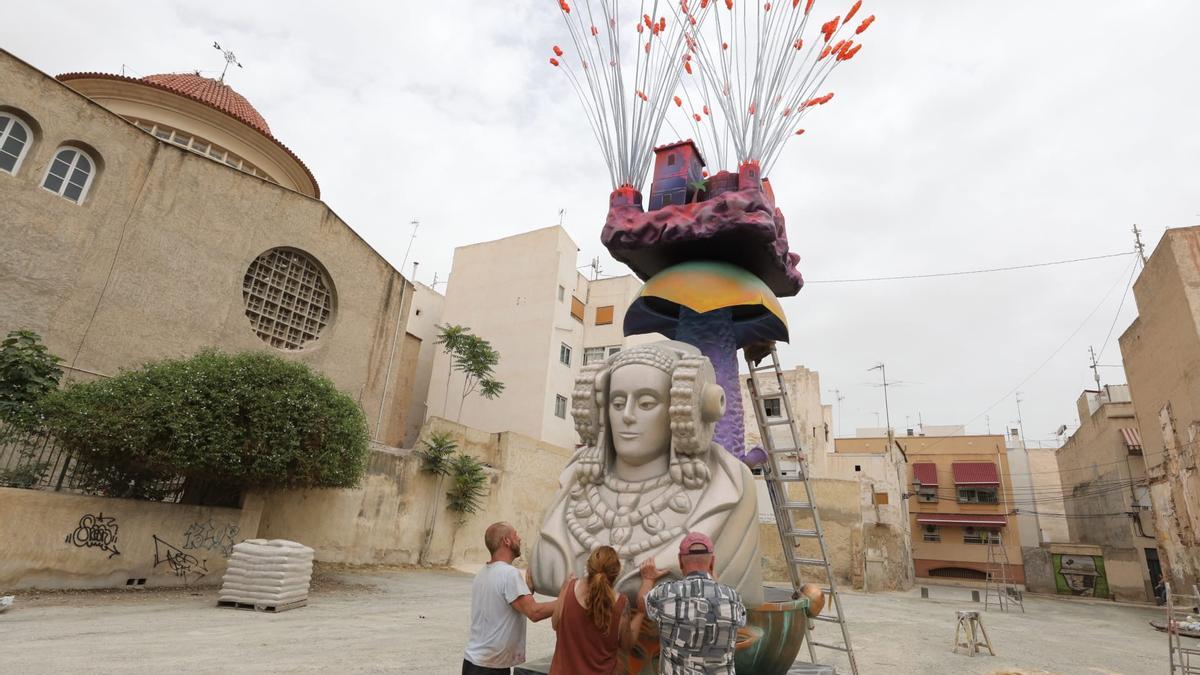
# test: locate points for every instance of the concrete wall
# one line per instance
(151, 264)
(859, 552)
(1122, 570)
(1161, 352)
(61, 540)
(1047, 486)
(423, 318)
(386, 519)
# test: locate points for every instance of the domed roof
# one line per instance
(212, 92)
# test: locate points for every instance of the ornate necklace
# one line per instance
(588, 514)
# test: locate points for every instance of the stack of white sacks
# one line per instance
(268, 573)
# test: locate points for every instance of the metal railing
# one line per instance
(35, 460)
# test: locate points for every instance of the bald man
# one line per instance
(500, 603)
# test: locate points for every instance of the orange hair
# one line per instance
(603, 566)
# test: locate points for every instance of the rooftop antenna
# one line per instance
(1137, 244)
(414, 276)
(230, 58)
(415, 223)
(560, 216)
(1020, 420)
(1095, 371)
(595, 268)
(886, 410)
(987, 419)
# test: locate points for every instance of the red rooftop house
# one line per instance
(962, 509)
(676, 166)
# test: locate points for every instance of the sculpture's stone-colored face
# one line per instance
(638, 413)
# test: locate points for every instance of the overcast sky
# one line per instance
(965, 135)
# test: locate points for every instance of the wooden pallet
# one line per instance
(261, 607)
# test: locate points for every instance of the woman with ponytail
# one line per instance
(592, 620)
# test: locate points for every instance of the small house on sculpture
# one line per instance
(676, 166)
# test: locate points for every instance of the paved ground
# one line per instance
(415, 621)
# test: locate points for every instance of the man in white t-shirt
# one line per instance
(500, 603)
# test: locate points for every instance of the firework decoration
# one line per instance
(739, 77)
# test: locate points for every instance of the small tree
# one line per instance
(28, 371)
(477, 360)
(472, 356)
(451, 338)
(252, 420)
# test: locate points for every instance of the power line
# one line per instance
(1129, 285)
(965, 272)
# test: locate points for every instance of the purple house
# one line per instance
(676, 166)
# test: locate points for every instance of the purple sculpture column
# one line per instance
(712, 333)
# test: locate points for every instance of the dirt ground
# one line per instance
(415, 621)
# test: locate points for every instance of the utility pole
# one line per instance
(1137, 244)
(1096, 371)
(837, 394)
(1037, 517)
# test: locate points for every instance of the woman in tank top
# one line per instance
(593, 621)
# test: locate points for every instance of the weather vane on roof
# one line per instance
(229, 58)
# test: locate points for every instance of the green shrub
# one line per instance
(437, 453)
(251, 420)
(467, 484)
(28, 371)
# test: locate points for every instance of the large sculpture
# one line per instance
(649, 472)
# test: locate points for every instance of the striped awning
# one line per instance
(1133, 439)
(975, 473)
(925, 473)
(962, 519)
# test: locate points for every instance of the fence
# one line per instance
(35, 460)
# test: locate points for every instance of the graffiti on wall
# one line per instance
(1081, 575)
(96, 531)
(180, 564)
(207, 536)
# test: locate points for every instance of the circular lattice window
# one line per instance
(288, 296)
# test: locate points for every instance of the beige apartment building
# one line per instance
(962, 500)
(1161, 351)
(525, 295)
(1107, 498)
(150, 218)
(883, 557)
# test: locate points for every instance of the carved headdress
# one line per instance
(696, 403)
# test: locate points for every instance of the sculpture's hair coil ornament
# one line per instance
(696, 403)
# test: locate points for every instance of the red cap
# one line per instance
(695, 542)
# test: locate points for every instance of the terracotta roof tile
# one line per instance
(216, 95)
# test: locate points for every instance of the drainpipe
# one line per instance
(387, 378)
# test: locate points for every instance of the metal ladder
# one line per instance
(1183, 652)
(997, 561)
(788, 511)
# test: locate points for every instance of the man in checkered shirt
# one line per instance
(697, 617)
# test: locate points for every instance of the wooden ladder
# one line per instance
(790, 515)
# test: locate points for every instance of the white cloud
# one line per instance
(963, 135)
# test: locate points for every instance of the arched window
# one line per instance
(70, 174)
(14, 141)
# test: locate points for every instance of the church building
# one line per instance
(149, 218)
